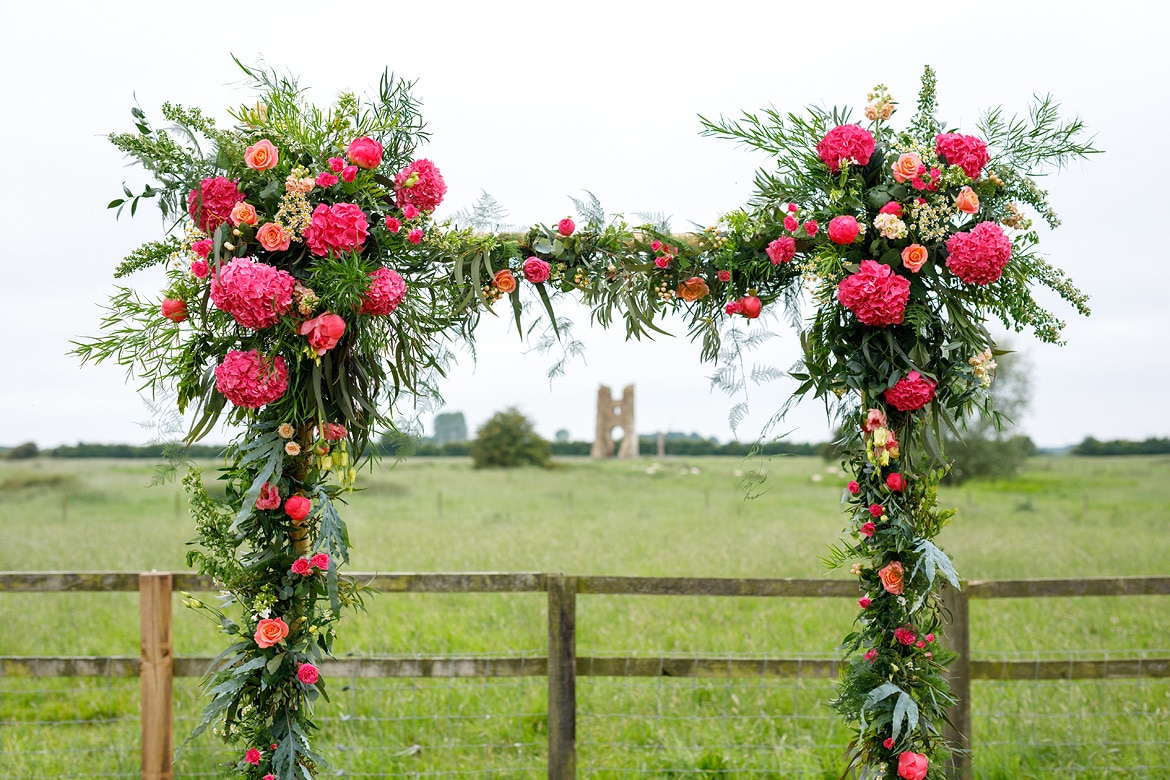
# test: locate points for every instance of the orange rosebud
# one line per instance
(244, 214)
(693, 289)
(914, 257)
(504, 281)
(261, 155)
(967, 201)
(892, 575)
(273, 237)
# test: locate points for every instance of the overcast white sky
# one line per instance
(534, 102)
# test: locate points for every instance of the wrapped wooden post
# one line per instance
(156, 673)
(958, 638)
(562, 677)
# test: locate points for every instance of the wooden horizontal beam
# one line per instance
(1059, 588)
(716, 586)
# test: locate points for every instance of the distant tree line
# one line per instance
(83, 450)
(647, 445)
(1151, 446)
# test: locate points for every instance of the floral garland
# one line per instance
(310, 282)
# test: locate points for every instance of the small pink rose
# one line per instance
(896, 482)
(336, 164)
(320, 561)
(930, 637)
(662, 261)
(889, 743)
(409, 211)
(810, 227)
(733, 307)
(792, 208)
(790, 224)
(536, 270)
(326, 179)
(566, 227)
(174, 309)
(877, 510)
(200, 269)
(864, 602)
(365, 152)
(349, 173)
(302, 567)
(415, 236)
(393, 224)
(202, 247)
(867, 529)
(323, 332)
(871, 655)
(307, 674)
(655, 245)
(912, 766)
(724, 276)
(853, 487)
(252, 756)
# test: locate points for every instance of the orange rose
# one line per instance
(273, 237)
(967, 201)
(261, 155)
(693, 289)
(244, 214)
(504, 281)
(891, 576)
(270, 631)
(907, 167)
(914, 257)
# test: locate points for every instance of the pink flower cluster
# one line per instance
(845, 144)
(980, 255)
(911, 392)
(965, 151)
(387, 289)
(782, 249)
(212, 204)
(875, 294)
(304, 566)
(249, 380)
(339, 228)
(420, 185)
(255, 294)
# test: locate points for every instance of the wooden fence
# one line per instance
(156, 664)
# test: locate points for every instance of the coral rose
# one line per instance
(307, 674)
(979, 256)
(273, 237)
(566, 227)
(504, 281)
(967, 201)
(269, 497)
(842, 230)
(255, 294)
(914, 257)
(536, 270)
(297, 508)
(907, 167)
(875, 294)
(781, 250)
(693, 289)
(302, 567)
(386, 291)
(249, 380)
(174, 309)
(334, 229)
(261, 155)
(965, 151)
(420, 185)
(892, 575)
(911, 392)
(364, 152)
(324, 332)
(270, 631)
(912, 766)
(244, 214)
(845, 144)
(212, 203)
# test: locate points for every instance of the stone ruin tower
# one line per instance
(610, 413)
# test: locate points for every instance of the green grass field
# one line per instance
(1064, 517)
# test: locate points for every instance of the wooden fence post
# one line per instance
(958, 638)
(156, 672)
(562, 677)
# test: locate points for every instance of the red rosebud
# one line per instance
(895, 482)
(854, 488)
(174, 309)
(349, 173)
(889, 743)
(297, 508)
(750, 306)
(867, 530)
(876, 510)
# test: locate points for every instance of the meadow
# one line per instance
(1062, 517)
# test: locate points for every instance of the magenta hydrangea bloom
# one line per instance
(846, 143)
(875, 294)
(255, 294)
(979, 255)
(911, 392)
(387, 289)
(335, 229)
(965, 151)
(250, 380)
(420, 185)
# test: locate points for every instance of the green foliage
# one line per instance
(508, 440)
(450, 427)
(1150, 446)
(24, 451)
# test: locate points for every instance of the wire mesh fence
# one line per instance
(649, 726)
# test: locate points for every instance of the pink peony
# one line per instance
(842, 230)
(386, 291)
(302, 567)
(393, 224)
(421, 185)
(249, 380)
(566, 227)
(323, 331)
(868, 529)
(320, 561)
(811, 227)
(845, 144)
(536, 270)
(875, 294)
(269, 497)
(334, 229)
(911, 392)
(349, 173)
(965, 151)
(212, 203)
(174, 309)
(325, 179)
(896, 482)
(252, 756)
(979, 256)
(200, 269)
(912, 766)
(781, 250)
(336, 164)
(202, 247)
(307, 674)
(905, 635)
(415, 236)
(297, 508)
(255, 294)
(365, 152)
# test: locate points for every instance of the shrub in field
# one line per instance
(508, 440)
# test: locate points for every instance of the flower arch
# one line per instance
(310, 284)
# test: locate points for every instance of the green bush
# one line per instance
(508, 440)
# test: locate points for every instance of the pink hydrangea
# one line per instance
(980, 255)
(536, 270)
(255, 294)
(965, 151)
(249, 380)
(334, 229)
(911, 392)
(845, 144)
(212, 203)
(875, 294)
(386, 291)
(781, 250)
(421, 185)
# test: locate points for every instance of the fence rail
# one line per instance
(156, 665)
